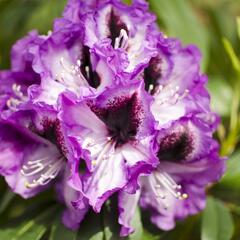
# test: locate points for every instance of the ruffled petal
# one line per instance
(72, 215)
(127, 204)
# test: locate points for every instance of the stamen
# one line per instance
(89, 142)
(13, 102)
(158, 89)
(42, 171)
(165, 181)
(74, 71)
(122, 40)
(104, 154)
(169, 94)
(157, 191)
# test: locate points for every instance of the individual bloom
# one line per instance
(131, 28)
(188, 163)
(32, 151)
(173, 78)
(13, 89)
(65, 64)
(34, 156)
(114, 133)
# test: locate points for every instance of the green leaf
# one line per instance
(18, 17)
(148, 236)
(127, 1)
(220, 92)
(92, 228)
(110, 221)
(217, 222)
(137, 225)
(231, 53)
(7, 197)
(60, 232)
(238, 26)
(42, 17)
(231, 178)
(180, 21)
(112, 228)
(28, 229)
(184, 230)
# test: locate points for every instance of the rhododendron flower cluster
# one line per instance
(107, 104)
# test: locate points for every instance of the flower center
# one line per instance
(45, 165)
(121, 118)
(81, 70)
(176, 147)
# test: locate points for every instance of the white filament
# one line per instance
(19, 98)
(169, 94)
(42, 170)
(162, 181)
(75, 72)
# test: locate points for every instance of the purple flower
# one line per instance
(35, 155)
(106, 103)
(176, 188)
(173, 78)
(114, 134)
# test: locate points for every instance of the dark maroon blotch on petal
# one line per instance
(52, 132)
(122, 117)
(176, 146)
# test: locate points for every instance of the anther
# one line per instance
(94, 162)
(184, 195)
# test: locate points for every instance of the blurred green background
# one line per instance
(210, 24)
